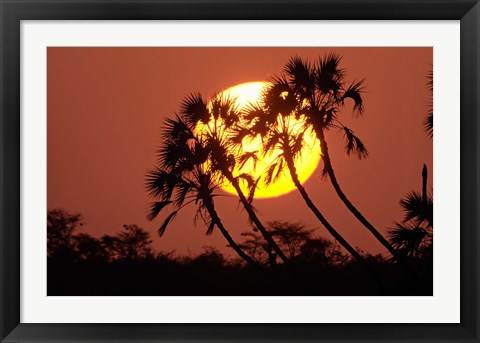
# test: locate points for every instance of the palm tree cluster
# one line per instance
(306, 98)
(189, 163)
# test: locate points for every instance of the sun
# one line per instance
(250, 92)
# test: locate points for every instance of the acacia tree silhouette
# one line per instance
(318, 91)
(132, 243)
(217, 119)
(180, 179)
(297, 240)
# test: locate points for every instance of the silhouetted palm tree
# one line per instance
(180, 180)
(415, 231)
(284, 136)
(318, 91)
(217, 118)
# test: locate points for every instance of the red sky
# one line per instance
(106, 107)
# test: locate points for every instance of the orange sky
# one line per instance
(106, 107)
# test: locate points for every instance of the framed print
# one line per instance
(239, 171)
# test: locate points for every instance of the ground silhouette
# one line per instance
(83, 265)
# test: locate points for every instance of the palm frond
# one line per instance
(301, 76)
(194, 109)
(272, 141)
(238, 134)
(273, 172)
(298, 143)
(171, 153)
(278, 99)
(247, 156)
(177, 130)
(407, 240)
(252, 190)
(161, 184)
(430, 80)
(330, 115)
(354, 92)
(428, 124)
(248, 178)
(155, 208)
(199, 154)
(417, 209)
(182, 189)
(268, 178)
(167, 221)
(201, 213)
(205, 186)
(177, 143)
(210, 228)
(329, 76)
(260, 127)
(353, 144)
(253, 111)
(280, 167)
(225, 108)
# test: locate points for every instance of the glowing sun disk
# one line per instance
(247, 93)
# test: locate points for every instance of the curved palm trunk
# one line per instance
(323, 220)
(255, 220)
(219, 224)
(318, 214)
(348, 204)
(356, 213)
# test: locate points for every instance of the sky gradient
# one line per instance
(106, 106)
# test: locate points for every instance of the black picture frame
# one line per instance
(14, 11)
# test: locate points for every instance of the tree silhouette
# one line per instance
(323, 252)
(61, 228)
(133, 243)
(282, 131)
(180, 179)
(123, 264)
(218, 118)
(318, 91)
(90, 248)
(292, 236)
(413, 236)
(297, 240)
